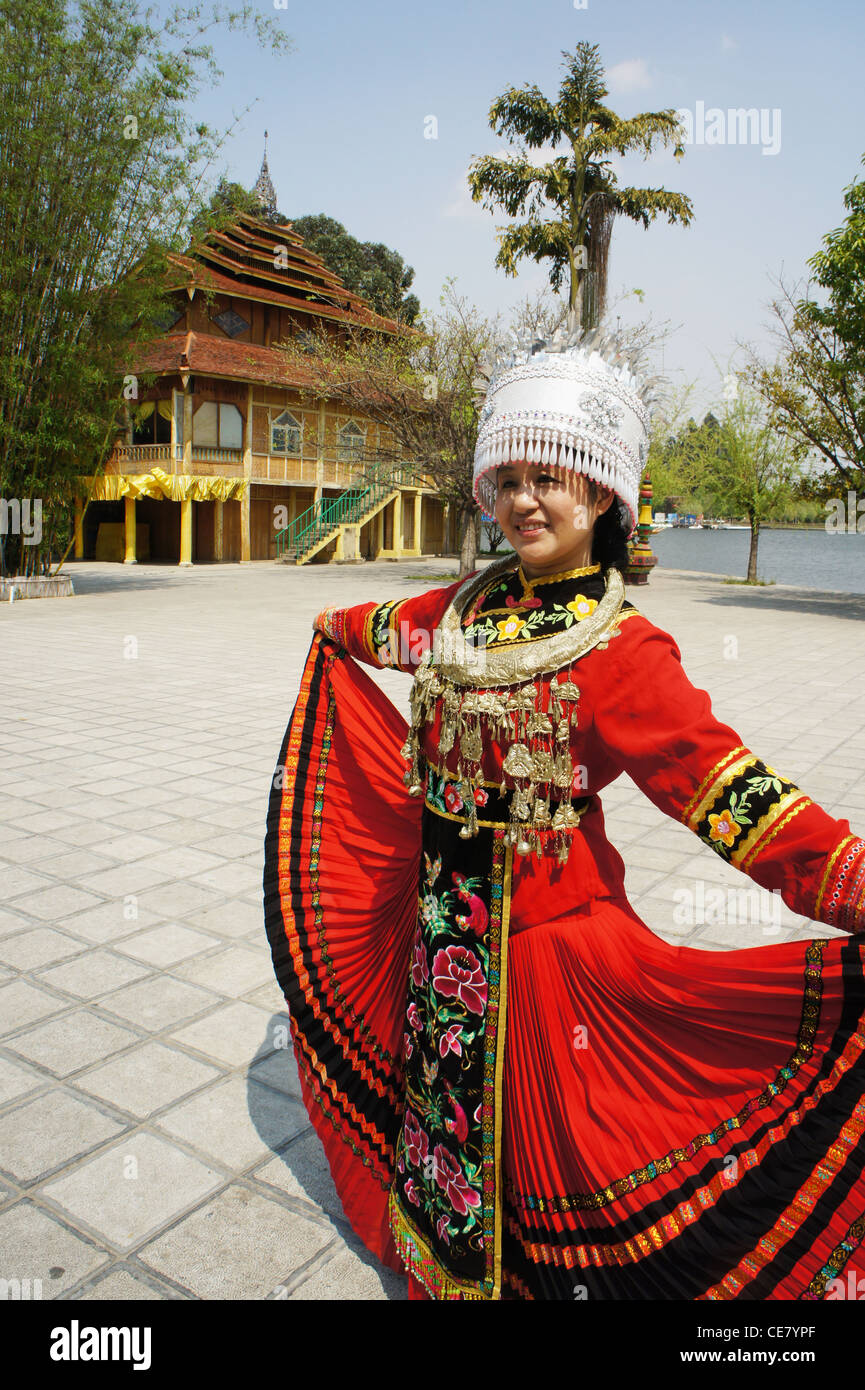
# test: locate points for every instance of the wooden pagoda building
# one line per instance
(221, 460)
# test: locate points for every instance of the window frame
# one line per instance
(297, 427)
(346, 453)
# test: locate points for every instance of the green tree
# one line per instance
(579, 188)
(815, 389)
(678, 457)
(368, 268)
(101, 170)
(745, 467)
(226, 201)
(420, 389)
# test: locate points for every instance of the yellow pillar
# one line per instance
(246, 499)
(245, 528)
(187, 428)
(397, 524)
(218, 530)
(321, 429)
(130, 557)
(173, 433)
(446, 528)
(186, 507)
(186, 531)
(319, 479)
(379, 532)
(79, 529)
(418, 502)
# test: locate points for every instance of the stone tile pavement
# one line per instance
(152, 1141)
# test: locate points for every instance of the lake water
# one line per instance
(807, 559)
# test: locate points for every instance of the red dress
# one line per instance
(522, 1091)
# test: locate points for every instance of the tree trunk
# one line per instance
(468, 542)
(752, 555)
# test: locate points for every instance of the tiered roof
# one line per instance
(260, 260)
(256, 260)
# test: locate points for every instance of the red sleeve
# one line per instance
(660, 729)
(395, 633)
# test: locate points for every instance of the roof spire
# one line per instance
(264, 189)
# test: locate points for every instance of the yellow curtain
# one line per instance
(146, 409)
(111, 487)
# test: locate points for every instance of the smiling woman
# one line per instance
(521, 1090)
(548, 514)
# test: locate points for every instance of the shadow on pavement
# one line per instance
(823, 603)
(278, 1069)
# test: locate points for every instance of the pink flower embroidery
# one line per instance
(411, 1192)
(450, 1041)
(419, 967)
(478, 1113)
(413, 1015)
(453, 800)
(442, 1230)
(452, 1180)
(416, 1141)
(511, 602)
(481, 797)
(457, 974)
(407, 1044)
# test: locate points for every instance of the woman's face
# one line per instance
(547, 515)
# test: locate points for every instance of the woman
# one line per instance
(521, 1090)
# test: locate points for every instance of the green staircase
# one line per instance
(319, 524)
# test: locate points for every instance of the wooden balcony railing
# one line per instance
(330, 471)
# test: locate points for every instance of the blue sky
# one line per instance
(346, 113)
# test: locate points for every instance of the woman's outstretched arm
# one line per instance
(393, 634)
(661, 730)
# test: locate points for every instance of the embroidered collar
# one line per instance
(529, 584)
(469, 665)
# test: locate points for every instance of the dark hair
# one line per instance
(612, 528)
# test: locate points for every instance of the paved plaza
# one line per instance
(152, 1140)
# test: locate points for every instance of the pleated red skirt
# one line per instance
(676, 1124)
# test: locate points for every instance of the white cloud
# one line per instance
(727, 43)
(630, 76)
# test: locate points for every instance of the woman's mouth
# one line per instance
(532, 528)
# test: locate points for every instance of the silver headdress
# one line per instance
(574, 401)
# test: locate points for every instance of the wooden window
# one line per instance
(218, 425)
(285, 434)
(350, 443)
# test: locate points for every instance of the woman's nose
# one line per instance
(524, 493)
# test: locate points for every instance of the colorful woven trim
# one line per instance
(836, 1261)
(740, 807)
(841, 899)
(332, 622)
(422, 1263)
